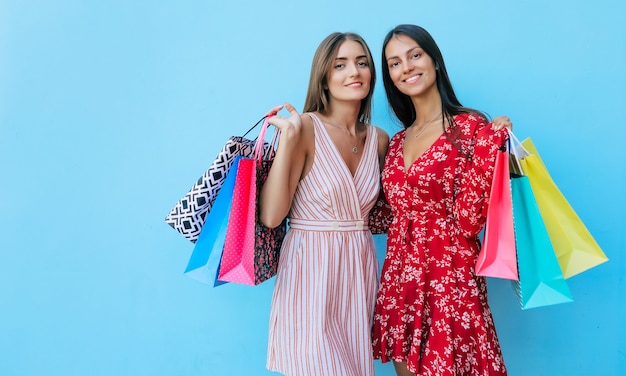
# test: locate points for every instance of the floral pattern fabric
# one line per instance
(432, 310)
(267, 241)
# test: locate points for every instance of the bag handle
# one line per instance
(517, 152)
(260, 141)
(254, 126)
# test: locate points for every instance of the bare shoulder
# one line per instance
(383, 144)
(307, 136)
(383, 137)
(307, 119)
(307, 124)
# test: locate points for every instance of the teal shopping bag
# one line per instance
(541, 281)
(207, 254)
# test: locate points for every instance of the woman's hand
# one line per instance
(501, 122)
(291, 125)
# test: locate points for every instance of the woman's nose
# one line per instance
(354, 70)
(408, 66)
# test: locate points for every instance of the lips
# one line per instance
(413, 79)
(355, 84)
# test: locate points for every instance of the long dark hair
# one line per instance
(400, 103)
(317, 97)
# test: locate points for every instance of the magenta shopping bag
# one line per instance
(498, 257)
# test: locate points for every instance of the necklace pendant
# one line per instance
(354, 150)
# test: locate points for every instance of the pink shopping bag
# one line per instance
(497, 257)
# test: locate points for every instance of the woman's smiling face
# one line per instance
(350, 75)
(411, 70)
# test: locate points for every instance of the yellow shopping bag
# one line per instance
(575, 247)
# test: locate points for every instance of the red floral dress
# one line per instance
(431, 309)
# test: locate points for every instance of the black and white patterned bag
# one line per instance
(187, 216)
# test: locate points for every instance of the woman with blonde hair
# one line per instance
(325, 178)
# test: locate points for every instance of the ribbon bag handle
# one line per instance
(259, 146)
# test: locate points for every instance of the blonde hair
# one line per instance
(317, 96)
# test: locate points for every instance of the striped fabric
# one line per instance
(325, 289)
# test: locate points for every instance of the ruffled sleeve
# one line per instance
(380, 216)
(474, 184)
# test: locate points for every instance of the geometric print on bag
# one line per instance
(189, 213)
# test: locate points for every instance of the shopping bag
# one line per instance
(251, 250)
(205, 259)
(497, 257)
(575, 247)
(189, 213)
(541, 282)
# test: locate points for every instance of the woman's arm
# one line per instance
(380, 216)
(472, 199)
(288, 165)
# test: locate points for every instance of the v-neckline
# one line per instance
(427, 150)
(336, 149)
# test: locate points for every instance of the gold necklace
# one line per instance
(425, 125)
(354, 147)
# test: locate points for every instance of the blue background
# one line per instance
(109, 111)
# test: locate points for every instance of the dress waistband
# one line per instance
(313, 225)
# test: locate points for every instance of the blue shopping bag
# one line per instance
(541, 282)
(206, 257)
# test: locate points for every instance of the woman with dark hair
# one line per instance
(432, 316)
(326, 178)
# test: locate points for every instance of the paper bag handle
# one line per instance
(260, 141)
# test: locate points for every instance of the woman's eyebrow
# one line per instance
(407, 52)
(345, 58)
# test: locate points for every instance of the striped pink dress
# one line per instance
(325, 288)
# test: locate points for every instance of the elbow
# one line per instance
(271, 212)
(468, 227)
(470, 230)
(270, 219)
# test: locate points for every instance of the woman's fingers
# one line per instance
(278, 121)
(283, 122)
(502, 122)
(274, 111)
(292, 110)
